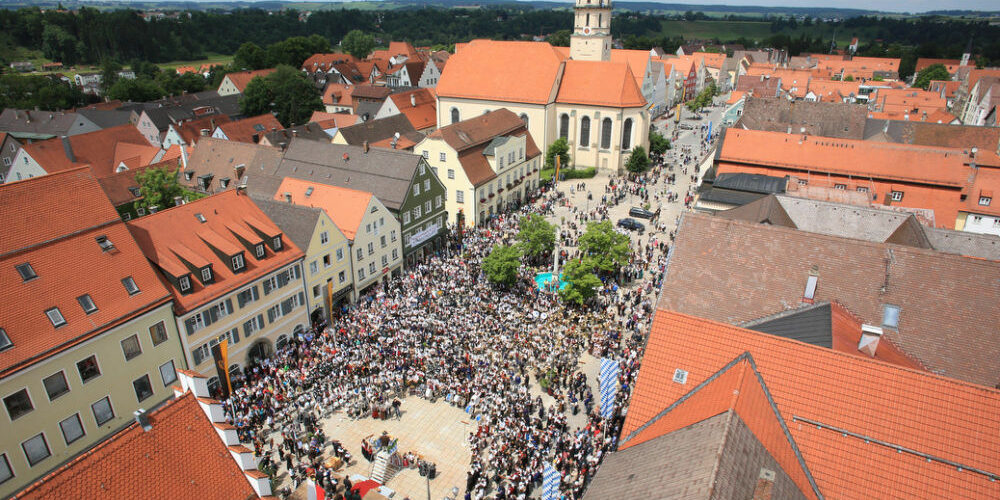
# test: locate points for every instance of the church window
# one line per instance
(588, 20)
(600, 20)
(606, 133)
(627, 135)
(454, 115)
(585, 132)
(564, 126)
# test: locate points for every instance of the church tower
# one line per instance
(591, 39)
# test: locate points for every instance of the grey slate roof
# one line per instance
(309, 131)
(826, 119)
(984, 246)
(811, 324)
(751, 183)
(384, 172)
(105, 118)
(36, 123)
(381, 129)
(219, 158)
(296, 221)
(729, 196)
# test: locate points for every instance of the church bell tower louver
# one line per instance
(591, 39)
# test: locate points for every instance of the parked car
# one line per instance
(685, 126)
(631, 224)
(641, 213)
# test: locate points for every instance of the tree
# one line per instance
(559, 38)
(109, 74)
(581, 282)
(932, 72)
(502, 264)
(249, 56)
(59, 45)
(637, 162)
(849, 78)
(135, 90)
(159, 187)
(658, 145)
(286, 92)
(607, 248)
(357, 44)
(537, 237)
(558, 148)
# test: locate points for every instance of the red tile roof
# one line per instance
(53, 222)
(831, 403)
(101, 149)
(473, 72)
(190, 131)
(950, 64)
(180, 457)
(470, 138)
(345, 206)
(599, 83)
(419, 106)
(233, 223)
(244, 130)
(325, 62)
(333, 120)
(240, 79)
(337, 94)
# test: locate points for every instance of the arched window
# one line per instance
(282, 340)
(214, 386)
(606, 133)
(524, 118)
(585, 132)
(454, 115)
(627, 135)
(564, 126)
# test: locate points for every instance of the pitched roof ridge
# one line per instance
(783, 314)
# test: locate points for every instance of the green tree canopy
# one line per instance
(932, 72)
(295, 50)
(249, 56)
(59, 45)
(608, 249)
(287, 93)
(357, 43)
(109, 73)
(658, 145)
(637, 161)
(581, 281)
(502, 264)
(558, 148)
(536, 235)
(559, 38)
(26, 92)
(159, 187)
(136, 90)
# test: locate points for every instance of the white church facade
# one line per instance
(583, 93)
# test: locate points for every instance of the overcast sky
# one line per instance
(883, 5)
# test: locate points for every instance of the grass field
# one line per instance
(723, 30)
(212, 59)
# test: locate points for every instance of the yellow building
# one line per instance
(234, 275)
(327, 265)
(586, 94)
(488, 164)
(87, 334)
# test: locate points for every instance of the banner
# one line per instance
(550, 482)
(314, 491)
(609, 386)
(220, 354)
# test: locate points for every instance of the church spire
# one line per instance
(591, 39)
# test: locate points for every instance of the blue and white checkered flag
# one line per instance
(609, 386)
(550, 482)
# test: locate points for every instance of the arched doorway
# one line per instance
(261, 349)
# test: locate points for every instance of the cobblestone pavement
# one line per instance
(438, 431)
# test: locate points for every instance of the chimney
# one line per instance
(870, 336)
(184, 157)
(282, 145)
(295, 133)
(205, 132)
(239, 170)
(153, 209)
(68, 148)
(143, 420)
(288, 197)
(413, 100)
(365, 146)
(256, 138)
(274, 129)
(765, 485)
(178, 201)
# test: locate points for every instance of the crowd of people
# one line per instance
(442, 332)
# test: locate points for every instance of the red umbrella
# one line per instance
(365, 486)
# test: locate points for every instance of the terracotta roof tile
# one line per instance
(244, 130)
(180, 457)
(472, 71)
(170, 237)
(333, 120)
(831, 402)
(240, 79)
(471, 137)
(101, 149)
(419, 106)
(599, 83)
(345, 206)
(190, 131)
(52, 217)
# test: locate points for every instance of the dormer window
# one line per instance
(184, 283)
(130, 285)
(890, 316)
(5, 342)
(985, 200)
(105, 243)
(56, 317)
(26, 271)
(224, 182)
(87, 303)
(259, 249)
(237, 262)
(206, 274)
(188, 175)
(276, 243)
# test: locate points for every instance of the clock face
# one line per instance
(586, 31)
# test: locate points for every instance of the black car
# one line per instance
(641, 213)
(631, 225)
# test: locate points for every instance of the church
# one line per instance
(589, 93)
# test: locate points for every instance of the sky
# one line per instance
(880, 5)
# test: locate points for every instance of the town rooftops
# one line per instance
(181, 456)
(325, 62)
(600, 83)
(191, 131)
(836, 423)
(250, 129)
(309, 131)
(932, 305)
(36, 124)
(419, 106)
(472, 72)
(297, 221)
(827, 119)
(217, 164)
(104, 150)
(210, 233)
(62, 241)
(240, 79)
(933, 134)
(474, 138)
(867, 159)
(383, 172)
(346, 207)
(378, 130)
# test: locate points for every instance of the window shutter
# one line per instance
(270, 315)
(196, 354)
(211, 315)
(260, 321)
(189, 325)
(286, 307)
(267, 286)
(229, 306)
(246, 328)
(256, 294)
(302, 298)
(240, 299)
